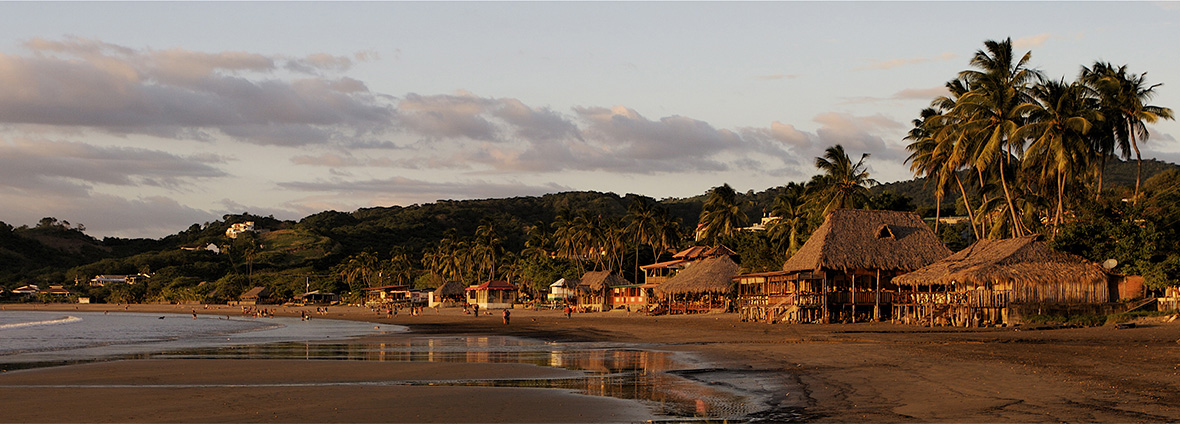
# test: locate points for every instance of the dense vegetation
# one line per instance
(1003, 149)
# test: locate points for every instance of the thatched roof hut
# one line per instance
(1026, 266)
(852, 239)
(710, 275)
(450, 289)
(599, 280)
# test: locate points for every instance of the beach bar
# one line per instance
(998, 281)
(704, 286)
(845, 270)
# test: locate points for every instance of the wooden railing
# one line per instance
(972, 298)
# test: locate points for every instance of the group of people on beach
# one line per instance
(392, 311)
(249, 311)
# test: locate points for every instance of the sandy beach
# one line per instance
(875, 372)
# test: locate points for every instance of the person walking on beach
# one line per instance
(506, 315)
(477, 310)
(567, 311)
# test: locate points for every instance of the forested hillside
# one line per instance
(408, 244)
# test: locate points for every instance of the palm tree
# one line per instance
(399, 265)
(722, 213)
(1057, 125)
(487, 248)
(842, 184)
(1124, 98)
(928, 158)
(789, 207)
(641, 219)
(666, 235)
(999, 85)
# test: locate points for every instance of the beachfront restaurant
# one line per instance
(388, 296)
(704, 286)
(492, 295)
(855, 255)
(996, 282)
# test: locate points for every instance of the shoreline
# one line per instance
(859, 372)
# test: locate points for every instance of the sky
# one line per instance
(139, 119)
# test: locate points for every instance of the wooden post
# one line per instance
(877, 307)
(824, 297)
(851, 293)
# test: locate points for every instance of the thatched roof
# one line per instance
(493, 285)
(701, 252)
(710, 275)
(1019, 260)
(852, 239)
(598, 280)
(450, 288)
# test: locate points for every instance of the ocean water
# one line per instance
(672, 384)
(46, 337)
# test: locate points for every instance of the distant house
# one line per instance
(492, 295)
(57, 290)
(103, 280)
(562, 290)
(659, 272)
(255, 296)
(594, 290)
(633, 297)
(239, 228)
(388, 295)
(27, 289)
(318, 298)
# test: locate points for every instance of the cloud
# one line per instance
(504, 135)
(1030, 42)
(927, 94)
(894, 63)
(863, 134)
(80, 83)
(70, 168)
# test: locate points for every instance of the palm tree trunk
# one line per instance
(937, 210)
(1101, 175)
(1138, 169)
(967, 204)
(1060, 196)
(1017, 230)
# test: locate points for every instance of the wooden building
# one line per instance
(562, 291)
(448, 294)
(997, 281)
(659, 272)
(594, 290)
(255, 296)
(492, 295)
(780, 296)
(845, 270)
(704, 286)
(398, 296)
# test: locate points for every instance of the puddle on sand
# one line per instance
(659, 379)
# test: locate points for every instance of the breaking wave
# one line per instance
(62, 320)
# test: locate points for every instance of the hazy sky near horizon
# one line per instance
(139, 119)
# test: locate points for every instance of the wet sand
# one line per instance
(875, 372)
